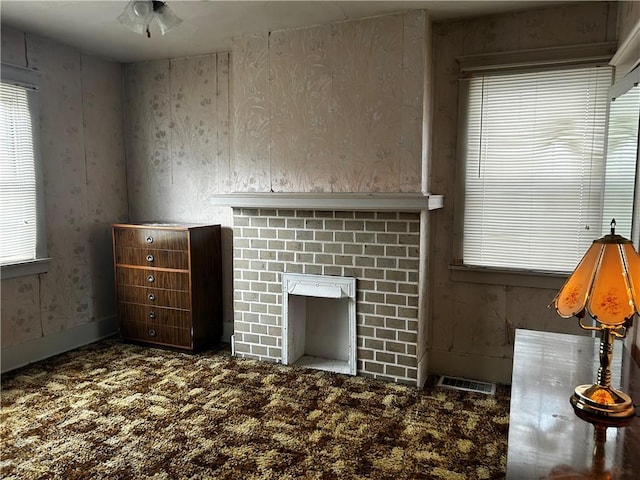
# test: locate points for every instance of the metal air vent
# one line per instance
(467, 385)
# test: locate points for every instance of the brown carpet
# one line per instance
(117, 411)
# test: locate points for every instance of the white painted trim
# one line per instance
(16, 356)
(425, 298)
(624, 84)
(423, 373)
(16, 75)
(372, 202)
(227, 332)
(511, 277)
(22, 269)
(539, 57)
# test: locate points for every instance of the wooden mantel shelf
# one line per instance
(397, 202)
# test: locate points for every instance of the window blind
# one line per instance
(18, 215)
(622, 148)
(534, 167)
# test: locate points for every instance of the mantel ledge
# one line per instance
(398, 202)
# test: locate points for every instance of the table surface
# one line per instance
(547, 440)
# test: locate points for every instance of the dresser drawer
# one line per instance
(149, 332)
(152, 278)
(149, 257)
(154, 296)
(153, 238)
(168, 317)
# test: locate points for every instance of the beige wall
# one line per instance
(177, 136)
(332, 108)
(472, 327)
(84, 191)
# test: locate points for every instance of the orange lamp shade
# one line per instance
(633, 268)
(605, 284)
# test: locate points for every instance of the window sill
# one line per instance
(512, 278)
(22, 269)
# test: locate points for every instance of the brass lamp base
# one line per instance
(602, 401)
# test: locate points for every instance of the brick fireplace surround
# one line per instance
(381, 249)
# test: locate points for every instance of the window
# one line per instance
(534, 167)
(22, 244)
(622, 150)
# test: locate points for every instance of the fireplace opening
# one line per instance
(319, 322)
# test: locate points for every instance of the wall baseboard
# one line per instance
(474, 367)
(16, 356)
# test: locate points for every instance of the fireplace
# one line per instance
(381, 250)
(379, 240)
(319, 322)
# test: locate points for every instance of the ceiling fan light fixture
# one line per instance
(167, 20)
(138, 14)
(134, 27)
(142, 9)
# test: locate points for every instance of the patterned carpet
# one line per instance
(119, 411)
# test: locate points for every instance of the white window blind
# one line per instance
(534, 167)
(18, 200)
(622, 148)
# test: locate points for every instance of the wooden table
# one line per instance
(547, 440)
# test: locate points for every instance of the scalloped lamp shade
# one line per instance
(606, 283)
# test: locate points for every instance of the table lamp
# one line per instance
(606, 285)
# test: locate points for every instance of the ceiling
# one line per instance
(208, 26)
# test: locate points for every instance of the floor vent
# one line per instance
(467, 385)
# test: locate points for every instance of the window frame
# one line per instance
(519, 61)
(29, 78)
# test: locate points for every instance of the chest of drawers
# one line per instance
(168, 284)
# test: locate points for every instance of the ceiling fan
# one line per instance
(138, 14)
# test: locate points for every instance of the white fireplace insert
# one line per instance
(319, 322)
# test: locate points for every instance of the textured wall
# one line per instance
(332, 108)
(177, 136)
(473, 324)
(84, 190)
(177, 143)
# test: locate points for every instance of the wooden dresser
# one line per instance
(168, 283)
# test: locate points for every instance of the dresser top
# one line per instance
(161, 225)
(547, 440)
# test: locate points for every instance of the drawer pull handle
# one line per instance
(149, 258)
(151, 297)
(152, 332)
(149, 239)
(152, 315)
(151, 279)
